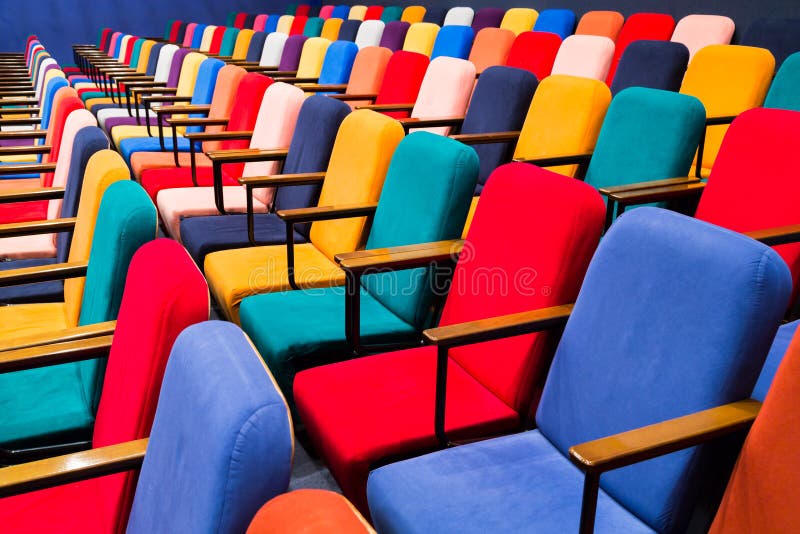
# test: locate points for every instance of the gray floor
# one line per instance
(309, 472)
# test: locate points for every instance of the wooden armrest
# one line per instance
(399, 258)
(561, 159)
(657, 194)
(59, 336)
(634, 446)
(54, 354)
(182, 109)
(777, 236)
(515, 324)
(311, 87)
(294, 80)
(327, 213)
(196, 121)
(27, 195)
(218, 136)
(413, 122)
(388, 107)
(346, 97)
(259, 68)
(43, 273)
(159, 98)
(246, 155)
(154, 91)
(29, 168)
(716, 121)
(19, 111)
(308, 178)
(37, 227)
(134, 79)
(27, 134)
(486, 138)
(51, 472)
(648, 185)
(20, 150)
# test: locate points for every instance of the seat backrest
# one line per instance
(303, 10)
(558, 21)
(242, 436)
(728, 80)
(164, 64)
(559, 220)
(312, 57)
(453, 41)
(373, 13)
(651, 26)
(205, 83)
(412, 14)
(459, 16)
(228, 43)
(349, 29)
(238, 20)
(698, 31)
(271, 25)
(654, 64)
(260, 23)
(272, 52)
(665, 142)
(326, 11)
(273, 130)
(215, 46)
(425, 198)
(369, 33)
(164, 294)
(76, 121)
(189, 70)
(564, 117)
(759, 143)
(188, 37)
(421, 37)
(502, 97)
(671, 350)
(364, 146)
(256, 47)
(298, 25)
(292, 52)
(394, 35)
(153, 59)
(310, 150)
(338, 63)
(368, 70)
(197, 37)
(782, 92)
(226, 89)
(52, 87)
(176, 67)
(144, 55)
(391, 13)
(357, 12)
(762, 491)
(313, 27)
(519, 19)
(488, 17)
(402, 80)
(779, 36)
(445, 90)
(491, 47)
(330, 30)
(207, 38)
(534, 51)
(64, 106)
(588, 56)
(341, 12)
(285, 23)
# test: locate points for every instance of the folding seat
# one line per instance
(366, 76)
(227, 44)
(189, 35)
(412, 14)
(245, 458)
(435, 14)
(782, 94)
(210, 35)
(558, 21)
(341, 12)
(285, 23)
(349, 29)
(420, 38)
(310, 510)
(534, 51)
(727, 79)
(273, 131)
(242, 45)
(394, 35)
(519, 19)
(292, 53)
(326, 11)
(272, 53)
(260, 24)
(779, 36)
(250, 21)
(698, 31)
(650, 26)
(291, 9)
(654, 64)
(231, 18)
(298, 25)
(491, 47)
(393, 13)
(338, 64)
(459, 16)
(197, 37)
(271, 26)
(355, 175)
(330, 30)
(373, 13)
(239, 130)
(526, 482)
(238, 21)
(309, 153)
(453, 41)
(357, 12)
(369, 33)
(588, 56)
(313, 27)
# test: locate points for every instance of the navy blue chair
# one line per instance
(558, 21)
(453, 41)
(645, 309)
(434, 14)
(779, 36)
(255, 47)
(653, 64)
(309, 152)
(348, 30)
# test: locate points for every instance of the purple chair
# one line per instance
(394, 35)
(290, 59)
(488, 17)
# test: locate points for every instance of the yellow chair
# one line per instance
(208, 36)
(420, 38)
(311, 58)
(728, 79)
(364, 146)
(357, 13)
(242, 44)
(413, 14)
(519, 19)
(330, 30)
(285, 24)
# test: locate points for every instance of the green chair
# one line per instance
(391, 13)
(313, 27)
(783, 91)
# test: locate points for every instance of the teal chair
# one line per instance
(783, 91)
(391, 13)
(425, 199)
(48, 410)
(313, 27)
(228, 42)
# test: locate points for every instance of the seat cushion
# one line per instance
(144, 161)
(311, 327)
(151, 144)
(365, 410)
(519, 483)
(156, 180)
(28, 247)
(310, 511)
(39, 292)
(28, 319)
(203, 235)
(127, 131)
(235, 274)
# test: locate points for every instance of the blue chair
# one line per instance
(779, 36)
(453, 41)
(340, 12)
(653, 64)
(637, 349)
(272, 24)
(197, 36)
(338, 63)
(558, 21)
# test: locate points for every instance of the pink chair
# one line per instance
(260, 23)
(587, 56)
(445, 92)
(326, 11)
(699, 31)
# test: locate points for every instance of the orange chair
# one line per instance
(602, 23)
(491, 47)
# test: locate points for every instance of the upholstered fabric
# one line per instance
(338, 63)
(412, 14)
(459, 16)
(526, 479)
(368, 71)
(777, 352)
(273, 49)
(728, 80)
(491, 47)
(487, 17)
(558, 21)
(782, 94)
(588, 56)
(519, 19)
(313, 27)
(534, 51)
(654, 64)
(369, 33)
(491, 382)
(311, 511)
(779, 36)
(341, 11)
(394, 35)
(285, 24)
(445, 91)
(420, 38)
(312, 57)
(453, 41)
(292, 51)
(349, 29)
(402, 80)
(699, 31)
(326, 11)
(651, 26)
(330, 30)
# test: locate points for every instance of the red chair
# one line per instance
(240, 21)
(650, 26)
(373, 13)
(174, 29)
(216, 39)
(303, 10)
(535, 52)
(540, 230)
(298, 25)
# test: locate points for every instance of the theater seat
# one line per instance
(311, 511)
(653, 64)
(534, 51)
(519, 19)
(558, 21)
(392, 13)
(453, 41)
(587, 56)
(420, 38)
(487, 17)
(699, 31)
(394, 35)
(491, 386)
(369, 33)
(782, 94)
(779, 36)
(459, 16)
(650, 26)
(412, 14)
(491, 47)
